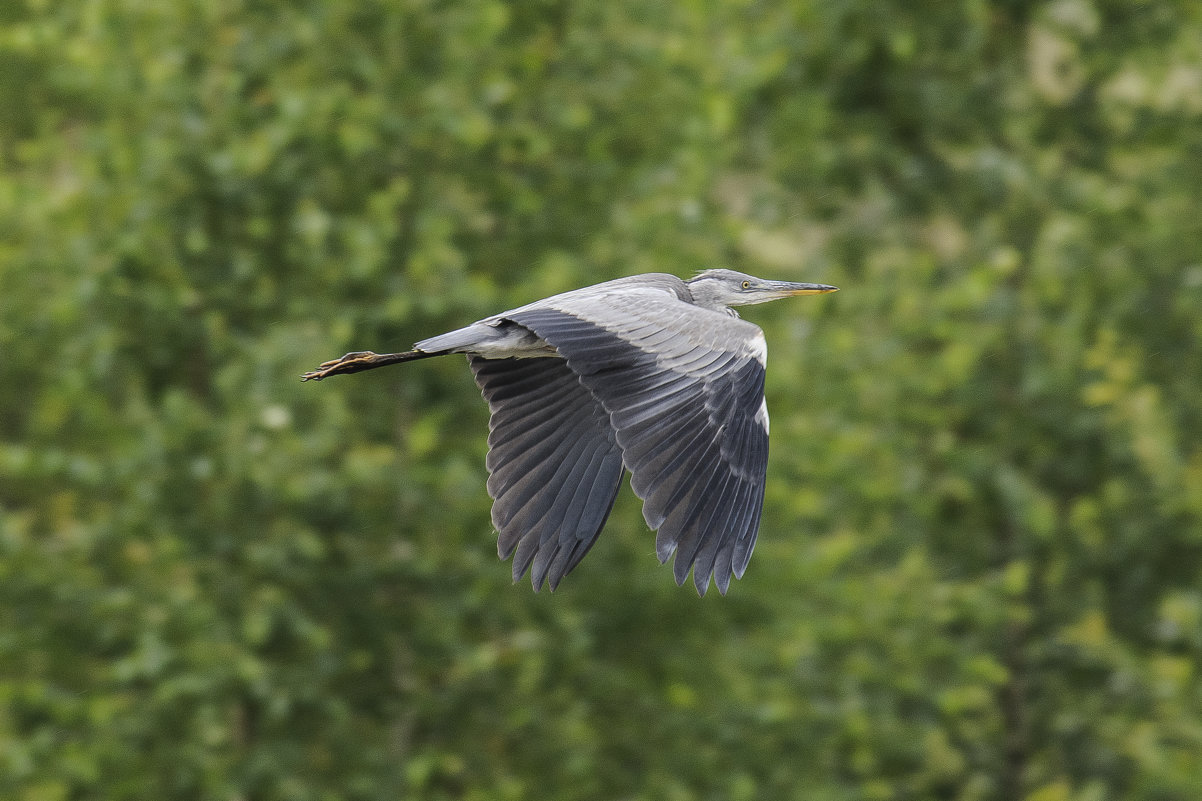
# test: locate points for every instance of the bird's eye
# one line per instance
(747, 285)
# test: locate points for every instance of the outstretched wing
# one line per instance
(684, 390)
(554, 465)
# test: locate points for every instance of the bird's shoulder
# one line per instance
(655, 286)
(651, 307)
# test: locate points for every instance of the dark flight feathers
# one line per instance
(684, 417)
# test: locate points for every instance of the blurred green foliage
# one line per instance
(980, 568)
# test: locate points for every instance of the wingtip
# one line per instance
(722, 582)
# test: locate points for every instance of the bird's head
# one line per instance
(722, 289)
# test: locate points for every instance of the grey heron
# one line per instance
(649, 374)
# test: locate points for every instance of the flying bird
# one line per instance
(649, 374)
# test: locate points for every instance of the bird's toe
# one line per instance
(354, 356)
(336, 366)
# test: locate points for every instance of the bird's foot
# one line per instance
(350, 363)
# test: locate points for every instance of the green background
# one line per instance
(980, 569)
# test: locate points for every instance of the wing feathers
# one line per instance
(683, 405)
(646, 383)
(554, 464)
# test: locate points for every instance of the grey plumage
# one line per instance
(647, 374)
